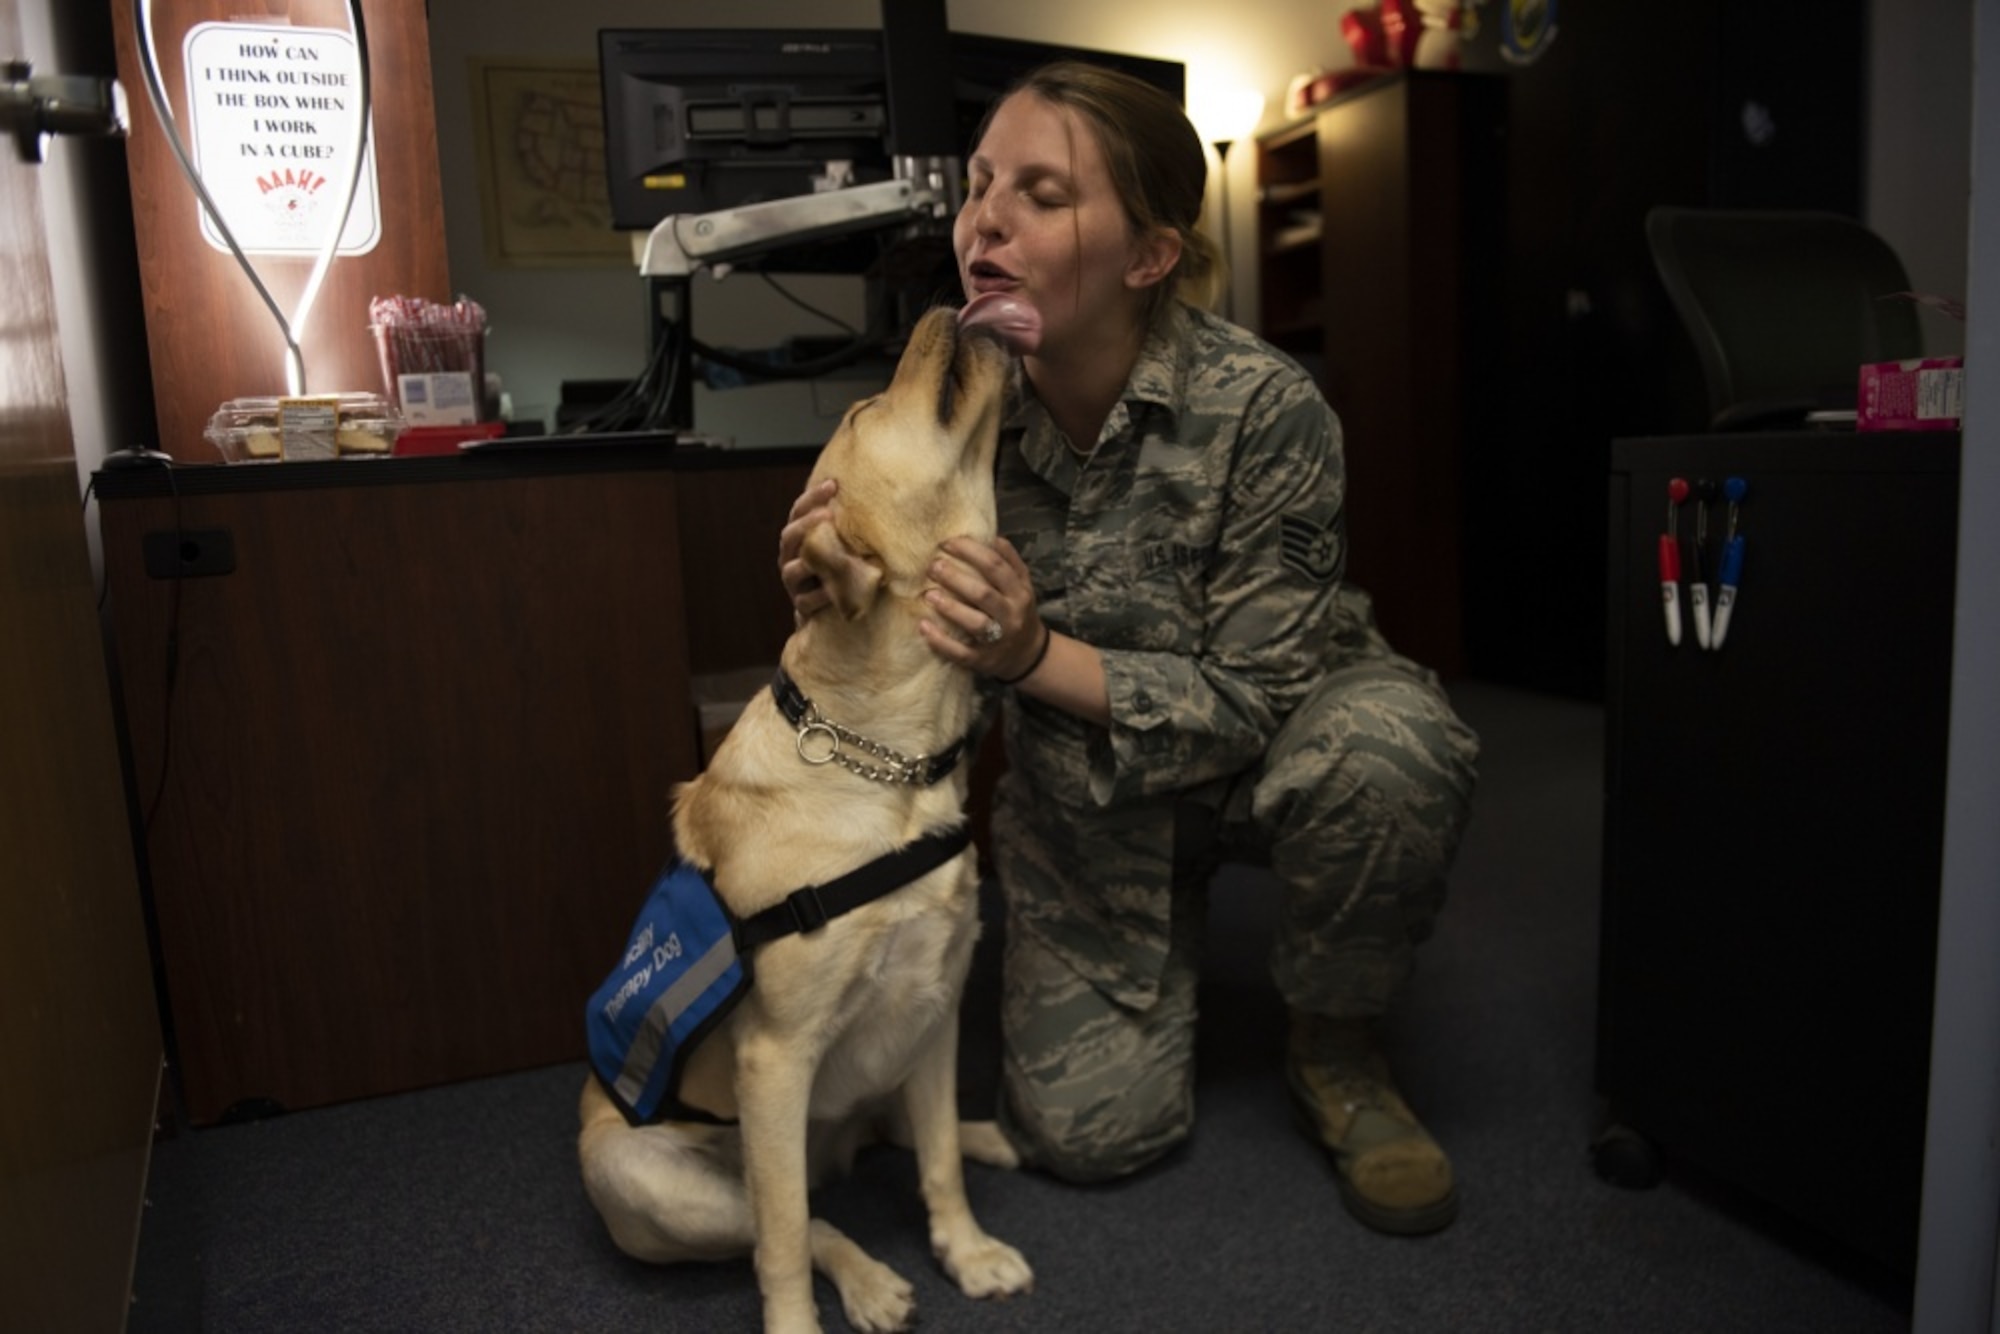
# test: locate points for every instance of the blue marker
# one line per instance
(1732, 562)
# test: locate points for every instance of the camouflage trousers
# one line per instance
(1358, 808)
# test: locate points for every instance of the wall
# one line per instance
(1958, 1273)
(1919, 141)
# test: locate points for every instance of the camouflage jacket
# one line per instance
(1199, 549)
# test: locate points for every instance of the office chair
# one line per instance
(1784, 307)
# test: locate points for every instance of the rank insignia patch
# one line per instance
(1312, 548)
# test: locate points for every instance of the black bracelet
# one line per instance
(1048, 637)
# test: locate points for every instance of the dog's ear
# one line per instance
(851, 579)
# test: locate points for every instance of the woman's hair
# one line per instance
(1157, 163)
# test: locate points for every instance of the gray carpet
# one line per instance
(459, 1208)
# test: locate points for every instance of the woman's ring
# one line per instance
(992, 633)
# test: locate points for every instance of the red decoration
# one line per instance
(1363, 30)
(1401, 27)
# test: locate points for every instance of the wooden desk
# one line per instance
(407, 764)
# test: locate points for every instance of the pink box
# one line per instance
(1923, 395)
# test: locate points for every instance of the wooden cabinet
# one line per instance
(1774, 823)
(1290, 225)
(1379, 261)
(401, 739)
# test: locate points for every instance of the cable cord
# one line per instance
(798, 370)
(807, 306)
(173, 660)
(865, 342)
(645, 403)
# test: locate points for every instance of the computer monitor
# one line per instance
(700, 119)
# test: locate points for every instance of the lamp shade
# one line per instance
(1224, 115)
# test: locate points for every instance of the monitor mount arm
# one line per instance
(685, 243)
(922, 199)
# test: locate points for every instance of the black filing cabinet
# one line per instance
(1774, 818)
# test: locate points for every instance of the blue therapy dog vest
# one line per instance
(687, 964)
(679, 977)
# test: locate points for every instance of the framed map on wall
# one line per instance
(539, 127)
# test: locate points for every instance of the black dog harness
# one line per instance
(814, 906)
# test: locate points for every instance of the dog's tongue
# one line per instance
(1018, 324)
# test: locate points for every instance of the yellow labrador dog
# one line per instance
(855, 1019)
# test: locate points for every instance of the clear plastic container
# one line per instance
(318, 426)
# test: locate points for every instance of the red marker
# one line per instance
(1670, 560)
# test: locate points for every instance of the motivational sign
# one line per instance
(273, 112)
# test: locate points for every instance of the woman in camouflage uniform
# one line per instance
(1187, 676)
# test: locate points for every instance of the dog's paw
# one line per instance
(803, 1324)
(983, 1142)
(984, 1267)
(876, 1298)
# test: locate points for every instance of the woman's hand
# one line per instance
(985, 616)
(814, 506)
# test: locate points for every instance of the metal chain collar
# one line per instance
(820, 740)
(817, 731)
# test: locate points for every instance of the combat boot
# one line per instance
(1393, 1176)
